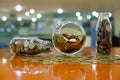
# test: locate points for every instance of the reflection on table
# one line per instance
(14, 68)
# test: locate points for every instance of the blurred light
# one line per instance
(18, 8)
(94, 13)
(89, 17)
(94, 67)
(79, 17)
(27, 13)
(39, 15)
(110, 14)
(32, 11)
(18, 73)
(8, 30)
(4, 60)
(4, 18)
(34, 19)
(2, 29)
(60, 10)
(77, 13)
(19, 18)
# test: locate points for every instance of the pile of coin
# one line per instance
(68, 43)
(104, 42)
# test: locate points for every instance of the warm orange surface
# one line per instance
(13, 68)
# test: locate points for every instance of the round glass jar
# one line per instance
(69, 37)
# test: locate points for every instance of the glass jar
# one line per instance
(29, 46)
(69, 37)
(103, 34)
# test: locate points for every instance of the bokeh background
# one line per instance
(39, 18)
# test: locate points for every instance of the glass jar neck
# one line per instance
(104, 15)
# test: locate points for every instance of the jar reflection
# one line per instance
(28, 67)
(103, 74)
(69, 72)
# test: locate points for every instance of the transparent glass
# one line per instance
(104, 34)
(29, 46)
(69, 37)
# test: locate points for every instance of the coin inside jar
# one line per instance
(68, 43)
(29, 46)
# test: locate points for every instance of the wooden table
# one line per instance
(13, 68)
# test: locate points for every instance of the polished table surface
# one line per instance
(13, 68)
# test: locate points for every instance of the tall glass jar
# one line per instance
(103, 34)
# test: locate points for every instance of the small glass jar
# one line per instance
(103, 34)
(29, 46)
(69, 37)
